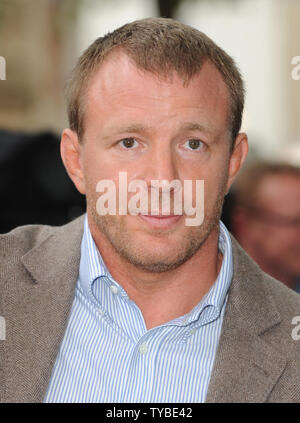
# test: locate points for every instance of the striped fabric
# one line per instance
(108, 355)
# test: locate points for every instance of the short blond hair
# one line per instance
(160, 46)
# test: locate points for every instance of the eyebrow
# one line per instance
(194, 126)
(136, 127)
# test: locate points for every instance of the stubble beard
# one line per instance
(114, 229)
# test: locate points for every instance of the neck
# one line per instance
(164, 296)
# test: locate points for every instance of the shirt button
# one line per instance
(114, 289)
(143, 348)
(193, 331)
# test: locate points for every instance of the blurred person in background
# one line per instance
(266, 218)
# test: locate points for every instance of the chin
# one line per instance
(156, 264)
(160, 256)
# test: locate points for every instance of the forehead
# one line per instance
(119, 86)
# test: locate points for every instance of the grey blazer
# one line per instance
(257, 359)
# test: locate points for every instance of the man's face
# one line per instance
(156, 129)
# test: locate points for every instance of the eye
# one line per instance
(129, 143)
(194, 144)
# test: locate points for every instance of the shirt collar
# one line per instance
(214, 300)
(93, 267)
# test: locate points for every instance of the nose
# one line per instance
(160, 164)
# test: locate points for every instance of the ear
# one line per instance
(237, 157)
(71, 154)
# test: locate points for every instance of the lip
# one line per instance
(161, 221)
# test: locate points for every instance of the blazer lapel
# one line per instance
(38, 311)
(246, 368)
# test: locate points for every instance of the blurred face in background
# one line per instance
(271, 232)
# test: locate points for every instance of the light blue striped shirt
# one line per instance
(108, 355)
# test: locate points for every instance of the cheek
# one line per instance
(97, 167)
(215, 185)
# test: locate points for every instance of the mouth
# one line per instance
(160, 221)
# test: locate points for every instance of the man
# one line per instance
(143, 307)
(266, 218)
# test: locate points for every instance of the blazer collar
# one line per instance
(246, 368)
(56, 259)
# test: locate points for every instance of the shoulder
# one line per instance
(22, 239)
(268, 306)
(268, 312)
(285, 338)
